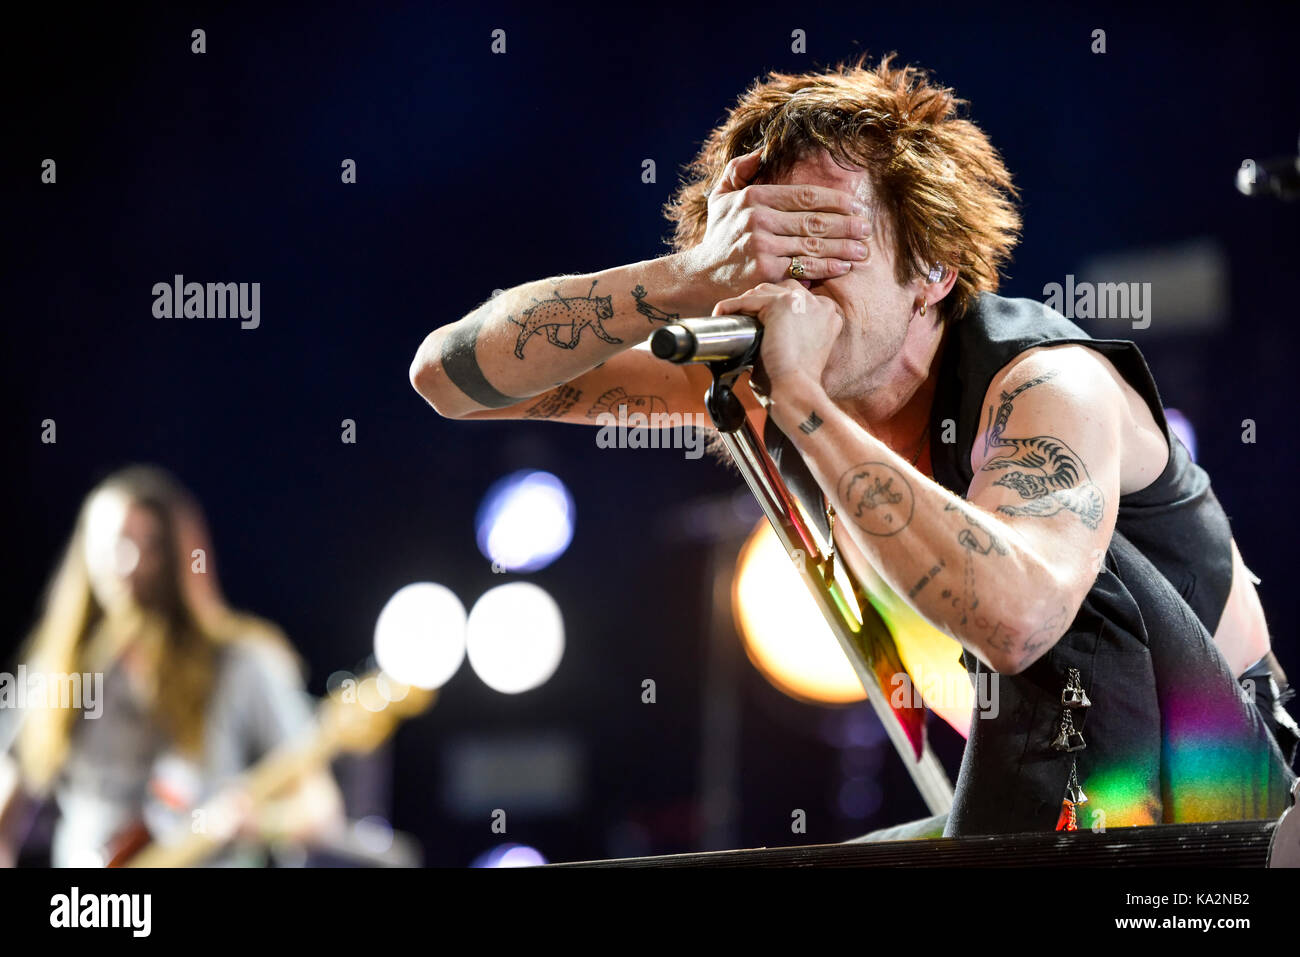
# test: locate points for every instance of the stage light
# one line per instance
(420, 635)
(521, 855)
(784, 634)
(510, 855)
(525, 521)
(515, 637)
(789, 642)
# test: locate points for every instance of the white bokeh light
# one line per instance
(525, 521)
(515, 637)
(510, 855)
(420, 635)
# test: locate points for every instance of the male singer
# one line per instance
(1060, 533)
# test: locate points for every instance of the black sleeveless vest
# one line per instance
(1168, 735)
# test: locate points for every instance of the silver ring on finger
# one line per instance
(796, 268)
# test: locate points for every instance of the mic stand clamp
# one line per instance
(723, 405)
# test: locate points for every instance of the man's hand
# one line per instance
(754, 231)
(519, 354)
(799, 329)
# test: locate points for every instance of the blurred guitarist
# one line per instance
(176, 692)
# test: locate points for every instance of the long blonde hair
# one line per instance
(190, 625)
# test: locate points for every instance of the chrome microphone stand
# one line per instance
(861, 632)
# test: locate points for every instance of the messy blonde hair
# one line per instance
(942, 186)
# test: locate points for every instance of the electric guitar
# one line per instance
(356, 718)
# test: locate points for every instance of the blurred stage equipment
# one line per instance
(351, 848)
(1279, 178)
(729, 346)
(1223, 844)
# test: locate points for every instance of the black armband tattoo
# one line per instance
(460, 363)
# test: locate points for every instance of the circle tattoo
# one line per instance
(878, 498)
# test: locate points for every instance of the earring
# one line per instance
(923, 307)
(936, 273)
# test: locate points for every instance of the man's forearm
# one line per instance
(533, 337)
(961, 568)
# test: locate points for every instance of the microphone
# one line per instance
(713, 339)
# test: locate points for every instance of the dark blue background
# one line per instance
(478, 171)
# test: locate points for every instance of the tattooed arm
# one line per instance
(533, 338)
(1015, 559)
(633, 378)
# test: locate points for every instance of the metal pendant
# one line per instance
(1073, 695)
(1073, 793)
(1075, 698)
(1068, 739)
